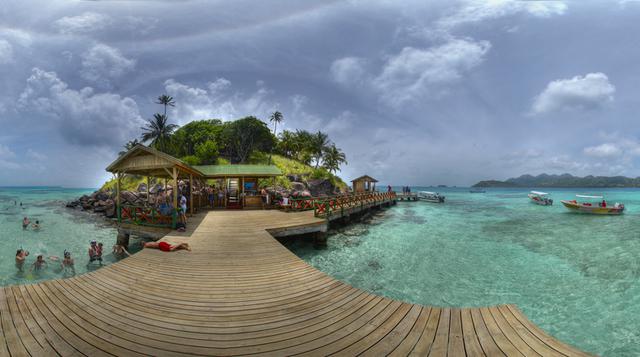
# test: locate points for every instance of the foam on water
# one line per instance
(576, 276)
(61, 229)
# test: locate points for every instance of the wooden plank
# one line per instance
(456, 340)
(471, 342)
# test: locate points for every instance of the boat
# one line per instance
(540, 198)
(477, 190)
(596, 207)
(431, 197)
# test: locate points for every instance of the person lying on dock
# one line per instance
(21, 255)
(166, 246)
(120, 251)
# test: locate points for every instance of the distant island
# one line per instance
(564, 180)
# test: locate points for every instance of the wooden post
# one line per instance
(118, 197)
(191, 193)
(148, 191)
(175, 196)
(242, 201)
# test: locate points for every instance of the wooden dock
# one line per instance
(410, 196)
(240, 292)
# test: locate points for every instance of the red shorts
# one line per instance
(164, 246)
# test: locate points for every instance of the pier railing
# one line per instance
(323, 206)
(146, 216)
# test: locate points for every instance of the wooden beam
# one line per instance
(118, 196)
(191, 194)
(175, 189)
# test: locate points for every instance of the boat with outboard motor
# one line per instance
(598, 206)
(540, 198)
(431, 197)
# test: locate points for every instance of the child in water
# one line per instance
(39, 263)
(36, 226)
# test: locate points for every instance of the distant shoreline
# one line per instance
(563, 181)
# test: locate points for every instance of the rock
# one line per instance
(321, 187)
(100, 196)
(142, 187)
(294, 177)
(73, 204)
(298, 186)
(87, 206)
(156, 188)
(99, 209)
(110, 211)
(128, 197)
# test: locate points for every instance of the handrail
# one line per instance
(146, 216)
(323, 206)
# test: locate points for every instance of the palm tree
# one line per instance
(166, 100)
(275, 118)
(333, 158)
(158, 131)
(128, 146)
(318, 145)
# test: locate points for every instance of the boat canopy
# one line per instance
(587, 196)
(428, 193)
(539, 193)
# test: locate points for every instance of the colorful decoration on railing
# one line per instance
(145, 216)
(322, 206)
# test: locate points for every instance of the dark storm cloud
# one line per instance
(415, 93)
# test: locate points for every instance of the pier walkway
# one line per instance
(240, 292)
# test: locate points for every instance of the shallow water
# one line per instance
(61, 229)
(577, 276)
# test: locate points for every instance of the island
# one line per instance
(564, 180)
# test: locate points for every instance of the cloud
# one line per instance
(414, 72)
(348, 70)
(102, 63)
(82, 116)
(474, 11)
(34, 155)
(6, 158)
(83, 23)
(217, 100)
(588, 92)
(6, 52)
(603, 150)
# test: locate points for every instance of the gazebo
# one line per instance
(364, 183)
(148, 162)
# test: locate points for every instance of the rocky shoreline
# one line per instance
(104, 202)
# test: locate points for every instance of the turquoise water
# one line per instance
(61, 229)
(577, 276)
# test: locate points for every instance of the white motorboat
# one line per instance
(540, 198)
(431, 197)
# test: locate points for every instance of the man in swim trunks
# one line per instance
(166, 246)
(120, 251)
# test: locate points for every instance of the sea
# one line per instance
(61, 229)
(576, 276)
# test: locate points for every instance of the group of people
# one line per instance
(215, 196)
(165, 207)
(406, 189)
(66, 263)
(26, 222)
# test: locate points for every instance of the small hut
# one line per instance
(364, 183)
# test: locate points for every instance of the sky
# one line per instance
(414, 92)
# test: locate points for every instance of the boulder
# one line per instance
(100, 196)
(86, 206)
(294, 177)
(110, 211)
(128, 197)
(298, 186)
(321, 187)
(99, 209)
(156, 188)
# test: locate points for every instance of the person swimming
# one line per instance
(95, 252)
(120, 251)
(36, 226)
(25, 222)
(39, 263)
(21, 256)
